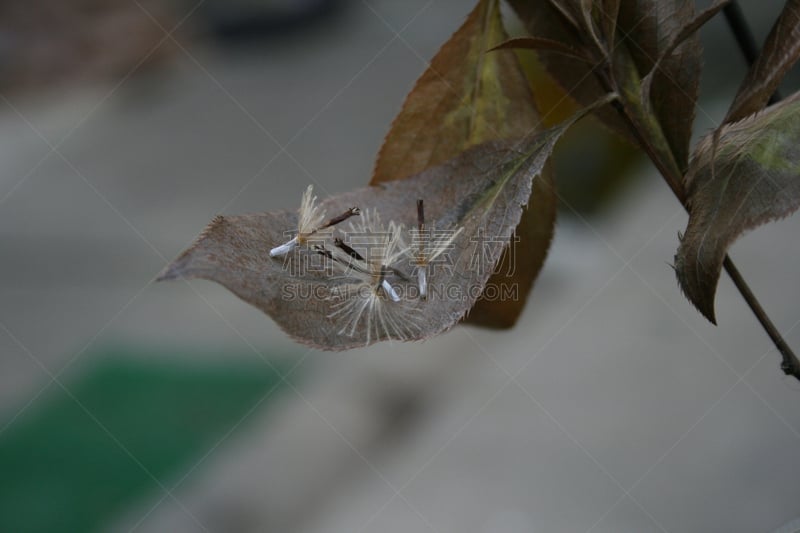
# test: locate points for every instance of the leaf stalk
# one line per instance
(624, 80)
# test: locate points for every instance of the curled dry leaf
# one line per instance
(466, 97)
(478, 196)
(743, 175)
(781, 51)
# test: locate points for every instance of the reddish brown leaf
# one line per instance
(561, 22)
(780, 53)
(521, 261)
(686, 32)
(600, 22)
(741, 176)
(651, 29)
(465, 97)
(468, 96)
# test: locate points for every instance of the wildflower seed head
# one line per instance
(310, 216)
(380, 315)
(428, 249)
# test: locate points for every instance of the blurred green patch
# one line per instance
(74, 461)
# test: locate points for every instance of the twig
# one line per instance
(668, 168)
(790, 365)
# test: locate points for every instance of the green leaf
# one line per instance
(741, 176)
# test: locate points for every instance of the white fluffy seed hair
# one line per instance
(391, 249)
(371, 302)
(430, 249)
(310, 216)
(427, 251)
(364, 306)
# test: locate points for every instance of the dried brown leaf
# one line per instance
(780, 53)
(468, 96)
(481, 192)
(465, 97)
(521, 260)
(741, 176)
(677, 39)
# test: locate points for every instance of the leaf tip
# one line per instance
(706, 308)
(165, 275)
(174, 270)
(177, 268)
(700, 294)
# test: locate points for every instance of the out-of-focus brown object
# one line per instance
(50, 43)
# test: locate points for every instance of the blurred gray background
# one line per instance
(612, 406)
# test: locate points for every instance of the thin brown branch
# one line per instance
(631, 111)
(790, 364)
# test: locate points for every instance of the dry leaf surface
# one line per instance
(482, 191)
(466, 97)
(781, 51)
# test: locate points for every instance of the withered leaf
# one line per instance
(482, 192)
(742, 175)
(562, 22)
(468, 96)
(521, 261)
(651, 28)
(781, 51)
(678, 38)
